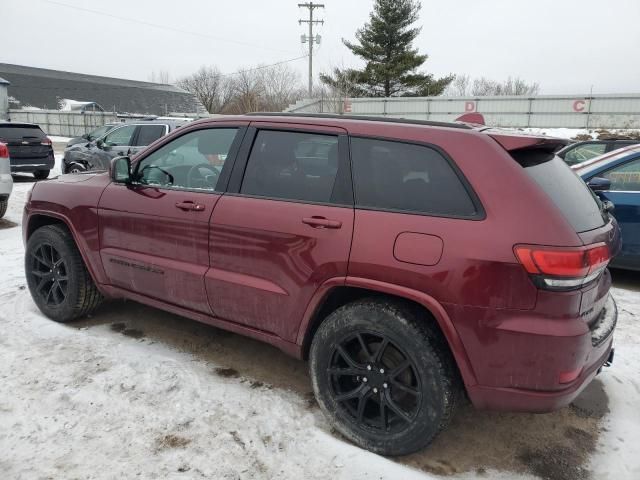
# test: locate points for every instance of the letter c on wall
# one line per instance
(578, 105)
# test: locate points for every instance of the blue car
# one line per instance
(615, 177)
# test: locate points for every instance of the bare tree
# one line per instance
(511, 86)
(459, 87)
(281, 87)
(210, 87)
(161, 76)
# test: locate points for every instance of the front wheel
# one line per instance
(41, 174)
(57, 278)
(383, 376)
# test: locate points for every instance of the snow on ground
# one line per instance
(56, 139)
(138, 393)
(571, 133)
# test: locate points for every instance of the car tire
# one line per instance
(57, 277)
(3, 207)
(368, 395)
(41, 174)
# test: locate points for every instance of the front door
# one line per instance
(154, 233)
(625, 195)
(283, 228)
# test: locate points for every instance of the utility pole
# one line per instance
(310, 38)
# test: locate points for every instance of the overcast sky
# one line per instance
(565, 45)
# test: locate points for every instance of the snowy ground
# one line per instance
(138, 393)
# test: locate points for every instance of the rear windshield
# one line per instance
(10, 132)
(572, 196)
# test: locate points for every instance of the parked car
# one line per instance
(30, 149)
(582, 151)
(6, 182)
(615, 178)
(385, 254)
(124, 139)
(92, 135)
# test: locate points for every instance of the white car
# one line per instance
(6, 182)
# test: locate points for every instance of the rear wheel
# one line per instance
(57, 277)
(383, 376)
(41, 174)
(3, 207)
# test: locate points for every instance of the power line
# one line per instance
(164, 27)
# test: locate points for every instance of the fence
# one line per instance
(64, 124)
(544, 111)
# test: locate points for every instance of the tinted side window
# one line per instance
(120, 137)
(149, 134)
(402, 176)
(192, 161)
(292, 165)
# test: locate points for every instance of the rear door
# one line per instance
(154, 233)
(283, 228)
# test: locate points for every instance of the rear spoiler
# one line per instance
(516, 141)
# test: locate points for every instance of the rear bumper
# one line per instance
(32, 164)
(542, 371)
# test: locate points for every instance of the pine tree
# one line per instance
(385, 43)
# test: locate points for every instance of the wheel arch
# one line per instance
(338, 292)
(38, 220)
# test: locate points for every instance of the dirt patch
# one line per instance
(5, 224)
(551, 446)
(237, 439)
(133, 333)
(118, 327)
(172, 441)
(593, 402)
(227, 372)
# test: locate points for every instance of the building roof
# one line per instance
(3, 81)
(43, 88)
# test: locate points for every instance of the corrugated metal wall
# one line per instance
(64, 124)
(546, 111)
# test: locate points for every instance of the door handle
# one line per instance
(189, 205)
(321, 222)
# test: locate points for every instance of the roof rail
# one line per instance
(362, 117)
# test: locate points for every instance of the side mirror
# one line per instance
(86, 136)
(99, 143)
(599, 184)
(120, 170)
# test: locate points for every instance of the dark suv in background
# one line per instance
(582, 151)
(410, 262)
(30, 150)
(124, 139)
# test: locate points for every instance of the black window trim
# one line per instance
(226, 168)
(480, 213)
(240, 166)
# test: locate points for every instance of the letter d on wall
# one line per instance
(469, 106)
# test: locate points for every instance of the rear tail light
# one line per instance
(557, 268)
(4, 151)
(46, 141)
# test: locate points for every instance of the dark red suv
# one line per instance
(411, 262)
